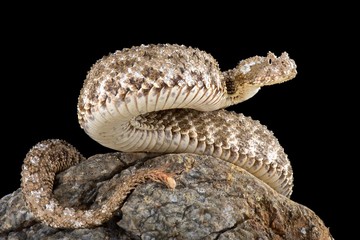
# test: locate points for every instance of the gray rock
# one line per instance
(213, 199)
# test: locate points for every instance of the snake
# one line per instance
(163, 98)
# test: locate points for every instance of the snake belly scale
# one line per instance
(170, 98)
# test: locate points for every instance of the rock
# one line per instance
(213, 199)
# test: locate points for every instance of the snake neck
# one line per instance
(236, 94)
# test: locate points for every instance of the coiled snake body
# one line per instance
(164, 98)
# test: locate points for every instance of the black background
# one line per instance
(46, 57)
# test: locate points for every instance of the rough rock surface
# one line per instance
(213, 200)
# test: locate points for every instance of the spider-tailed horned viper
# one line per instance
(162, 98)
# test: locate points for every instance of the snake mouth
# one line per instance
(272, 70)
(262, 71)
(246, 79)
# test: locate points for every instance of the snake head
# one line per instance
(251, 74)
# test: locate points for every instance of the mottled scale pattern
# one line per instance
(166, 98)
(47, 158)
(163, 98)
(146, 70)
(226, 135)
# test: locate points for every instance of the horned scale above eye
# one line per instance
(156, 98)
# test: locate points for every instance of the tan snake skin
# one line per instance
(163, 98)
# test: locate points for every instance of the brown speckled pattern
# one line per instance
(47, 158)
(163, 98)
